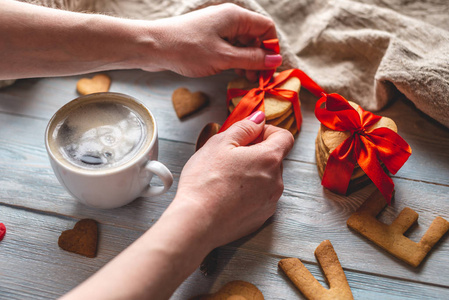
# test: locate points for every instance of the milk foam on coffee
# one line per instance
(100, 135)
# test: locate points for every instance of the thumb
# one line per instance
(244, 132)
(251, 58)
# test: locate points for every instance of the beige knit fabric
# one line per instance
(369, 51)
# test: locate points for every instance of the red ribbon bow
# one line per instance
(253, 99)
(364, 146)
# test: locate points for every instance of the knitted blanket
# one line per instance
(369, 51)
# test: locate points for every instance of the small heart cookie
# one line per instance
(82, 239)
(208, 131)
(186, 103)
(98, 83)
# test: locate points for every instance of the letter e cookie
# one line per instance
(391, 237)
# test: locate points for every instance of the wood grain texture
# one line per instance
(41, 98)
(36, 205)
(32, 264)
(31, 248)
(306, 211)
(261, 270)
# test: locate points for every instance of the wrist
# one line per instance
(153, 45)
(189, 226)
(125, 44)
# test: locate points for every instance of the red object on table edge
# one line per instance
(2, 231)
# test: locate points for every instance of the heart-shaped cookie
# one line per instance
(98, 83)
(208, 131)
(82, 239)
(235, 290)
(186, 103)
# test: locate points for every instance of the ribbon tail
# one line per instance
(393, 150)
(368, 160)
(339, 168)
(297, 111)
(308, 83)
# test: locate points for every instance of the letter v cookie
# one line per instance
(307, 283)
(391, 237)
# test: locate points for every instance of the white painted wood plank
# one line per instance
(27, 179)
(306, 213)
(262, 271)
(42, 97)
(34, 267)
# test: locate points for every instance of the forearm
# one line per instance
(157, 263)
(37, 41)
(40, 42)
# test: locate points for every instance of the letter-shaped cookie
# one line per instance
(391, 237)
(306, 282)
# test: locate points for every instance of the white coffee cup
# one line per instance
(103, 149)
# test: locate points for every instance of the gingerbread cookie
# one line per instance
(293, 129)
(82, 239)
(278, 120)
(306, 282)
(274, 107)
(234, 290)
(186, 103)
(332, 139)
(391, 237)
(287, 123)
(98, 83)
(327, 140)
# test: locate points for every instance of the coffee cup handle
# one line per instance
(163, 173)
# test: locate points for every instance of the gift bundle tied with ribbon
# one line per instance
(366, 142)
(276, 95)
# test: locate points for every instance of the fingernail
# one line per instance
(273, 60)
(257, 117)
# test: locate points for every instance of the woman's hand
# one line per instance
(234, 183)
(213, 39)
(49, 42)
(227, 190)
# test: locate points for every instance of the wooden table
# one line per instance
(36, 209)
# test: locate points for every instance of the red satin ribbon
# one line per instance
(364, 146)
(253, 100)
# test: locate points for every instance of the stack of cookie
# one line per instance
(327, 140)
(278, 112)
